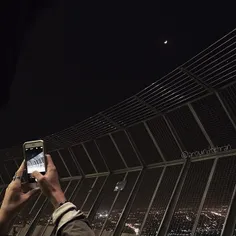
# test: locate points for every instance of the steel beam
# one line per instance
(164, 226)
(111, 208)
(92, 187)
(152, 200)
(204, 197)
(230, 220)
(130, 169)
(76, 162)
(118, 150)
(10, 177)
(134, 147)
(126, 210)
(97, 174)
(154, 141)
(200, 125)
(150, 166)
(64, 163)
(174, 134)
(169, 163)
(30, 211)
(89, 157)
(69, 199)
(34, 222)
(102, 156)
(215, 155)
(16, 163)
(153, 109)
(2, 180)
(226, 110)
(77, 189)
(97, 201)
(66, 179)
(109, 120)
(197, 79)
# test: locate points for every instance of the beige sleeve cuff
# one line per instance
(64, 214)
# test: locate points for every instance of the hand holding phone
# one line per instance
(34, 155)
(49, 184)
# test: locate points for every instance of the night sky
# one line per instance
(69, 60)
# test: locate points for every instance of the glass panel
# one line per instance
(96, 156)
(120, 203)
(126, 149)
(69, 161)
(71, 189)
(215, 121)
(83, 159)
(218, 198)
(2, 193)
(190, 198)
(61, 169)
(48, 230)
(11, 167)
(110, 153)
(142, 200)
(29, 211)
(188, 130)
(164, 138)
(29, 216)
(161, 200)
(1, 180)
(44, 216)
(47, 213)
(19, 161)
(108, 198)
(93, 194)
(144, 144)
(234, 234)
(229, 97)
(82, 192)
(5, 176)
(68, 189)
(24, 214)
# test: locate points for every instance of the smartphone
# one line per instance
(34, 154)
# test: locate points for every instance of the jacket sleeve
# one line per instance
(70, 222)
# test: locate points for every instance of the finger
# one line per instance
(50, 162)
(32, 192)
(16, 183)
(21, 169)
(37, 175)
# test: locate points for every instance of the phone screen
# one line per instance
(35, 160)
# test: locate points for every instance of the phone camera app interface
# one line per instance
(35, 159)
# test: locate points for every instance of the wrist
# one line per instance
(6, 215)
(58, 198)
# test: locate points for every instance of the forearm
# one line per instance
(5, 223)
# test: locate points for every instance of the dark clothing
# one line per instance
(76, 227)
(71, 222)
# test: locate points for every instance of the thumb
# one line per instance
(32, 192)
(37, 175)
